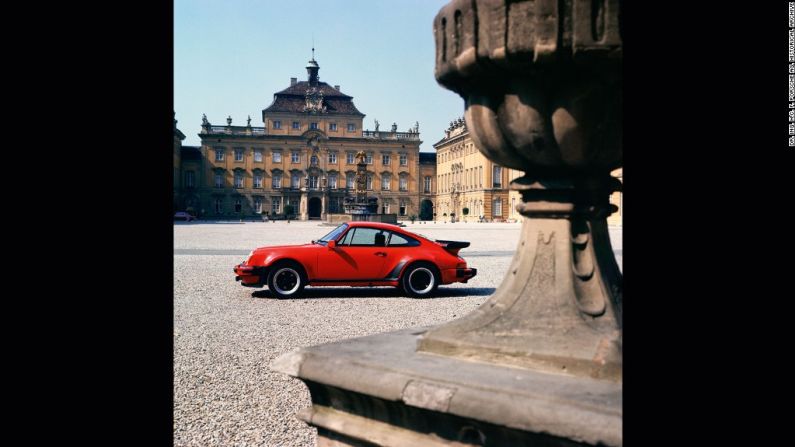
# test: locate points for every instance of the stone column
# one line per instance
(540, 362)
(303, 205)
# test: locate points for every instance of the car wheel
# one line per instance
(420, 280)
(286, 280)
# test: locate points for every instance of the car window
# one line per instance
(369, 236)
(347, 239)
(398, 240)
(334, 233)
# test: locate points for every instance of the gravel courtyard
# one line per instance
(225, 335)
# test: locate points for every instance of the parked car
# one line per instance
(182, 215)
(359, 254)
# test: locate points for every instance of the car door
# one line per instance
(359, 255)
(401, 250)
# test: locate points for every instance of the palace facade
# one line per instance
(301, 162)
(468, 180)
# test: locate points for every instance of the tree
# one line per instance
(288, 212)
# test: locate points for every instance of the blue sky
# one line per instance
(230, 57)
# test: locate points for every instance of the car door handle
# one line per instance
(380, 253)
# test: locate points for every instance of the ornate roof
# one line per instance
(298, 98)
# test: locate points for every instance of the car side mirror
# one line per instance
(332, 244)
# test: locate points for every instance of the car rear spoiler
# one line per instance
(453, 246)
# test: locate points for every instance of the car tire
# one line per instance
(286, 280)
(420, 280)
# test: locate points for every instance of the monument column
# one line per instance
(303, 206)
(540, 362)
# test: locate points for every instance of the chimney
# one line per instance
(336, 87)
(293, 81)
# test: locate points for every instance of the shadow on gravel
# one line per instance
(375, 292)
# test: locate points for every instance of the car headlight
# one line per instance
(250, 254)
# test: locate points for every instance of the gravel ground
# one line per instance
(225, 335)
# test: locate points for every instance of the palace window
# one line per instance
(238, 205)
(386, 179)
(313, 181)
(351, 127)
(369, 181)
(189, 179)
(295, 181)
(238, 179)
(258, 155)
(296, 125)
(219, 206)
(497, 177)
(219, 180)
(257, 205)
(277, 156)
(369, 158)
(295, 157)
(497, 209)
(402, 207)
(219, 155)
(313, 160)
(276, 206)
(350, 158)
(277, 124)
(313, 126)
(332, 158)
(258, 180)
(332, 127)
(385, 208)
(238, 154)
(427, 185)
(385, 159)
(404, 183)
(276, 182)
(404, 160)
(350, 179)
(332, 181)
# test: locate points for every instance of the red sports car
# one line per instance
(358, 254)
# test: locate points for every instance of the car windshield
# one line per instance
(334, 234)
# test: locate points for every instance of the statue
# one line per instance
(417, 127)
(394, 127)
(376, 125)
(204, 120)
(229, 120)
(361, 157)
(249, 121)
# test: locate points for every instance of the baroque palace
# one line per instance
(302, 160)
(302, 163)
